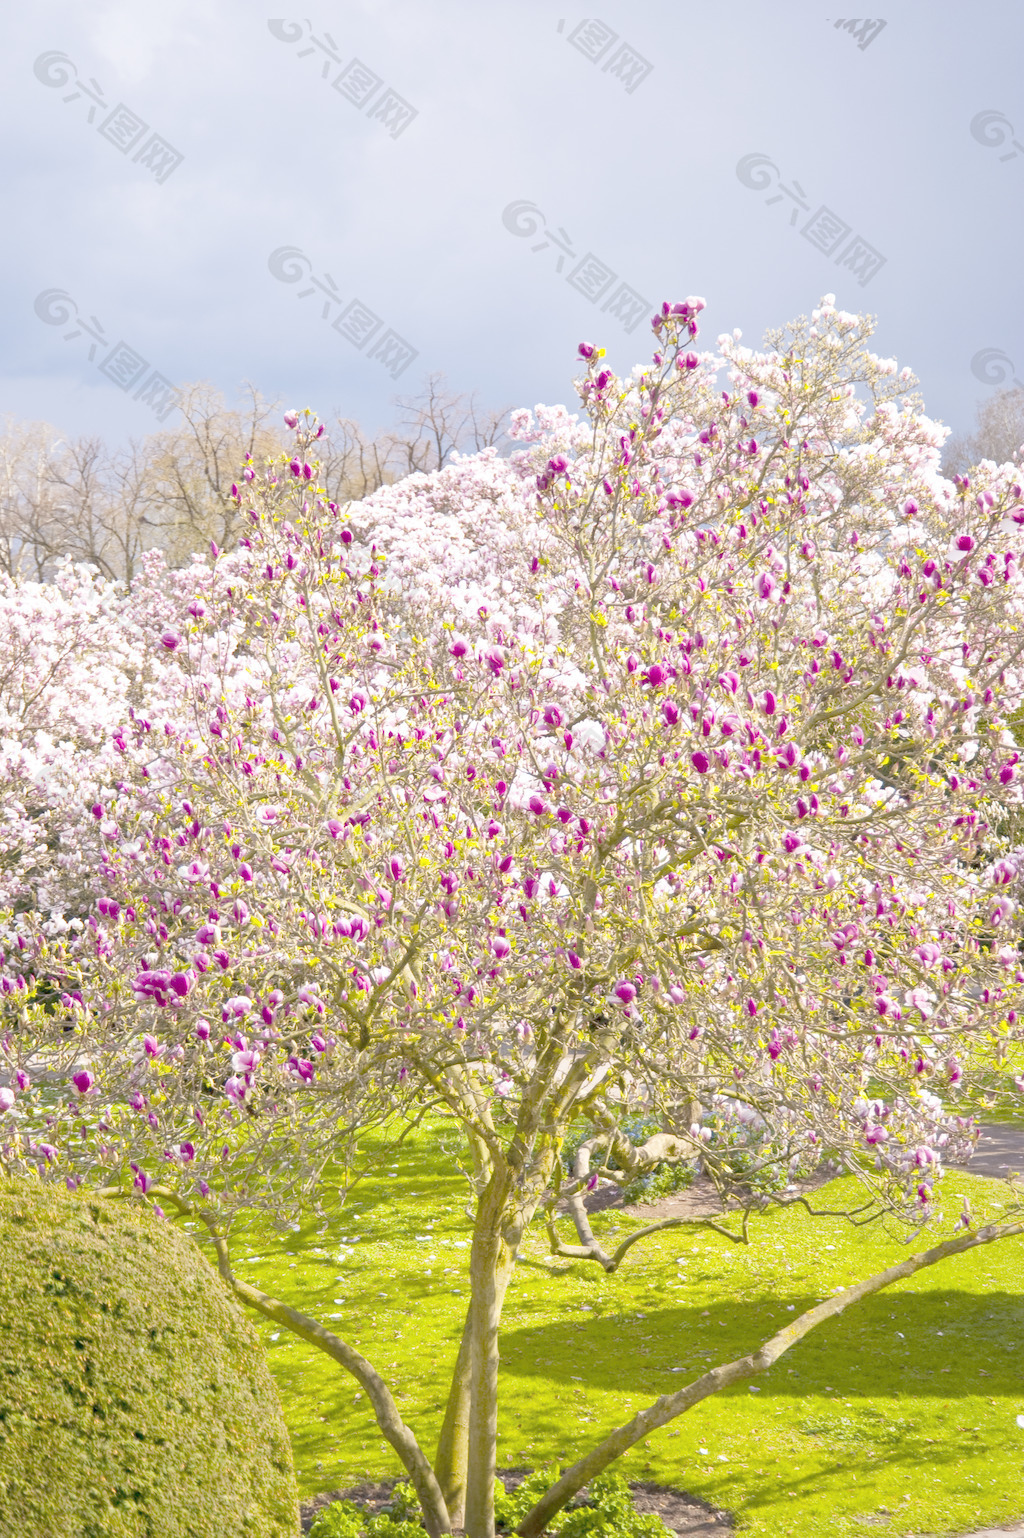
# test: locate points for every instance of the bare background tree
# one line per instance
(432, 426)
(78, 498)
(998, 435)
(192, 467)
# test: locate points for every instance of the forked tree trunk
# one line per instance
(452, 1459)
(490, 1268)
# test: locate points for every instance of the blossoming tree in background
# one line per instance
(666, 768)
(71, 661)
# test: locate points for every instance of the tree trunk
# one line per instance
(452, 1459)
(490, 1269)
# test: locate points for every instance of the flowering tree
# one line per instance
(667, 767)
(71, 660)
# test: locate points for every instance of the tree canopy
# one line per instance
(664, 769)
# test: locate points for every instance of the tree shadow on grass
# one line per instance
(887, 1469)
(945, 1343)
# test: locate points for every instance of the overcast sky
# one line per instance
(333, 206)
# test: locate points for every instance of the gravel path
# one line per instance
(1000, 1150)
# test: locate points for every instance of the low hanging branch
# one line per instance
(670, 1405)
(392, 1427)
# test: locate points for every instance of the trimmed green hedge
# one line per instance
(135, 1399)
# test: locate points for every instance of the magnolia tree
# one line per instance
(664, 770)
(71, 661)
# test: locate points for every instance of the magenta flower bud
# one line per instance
(585, 350)
(170, 640)
(295, 467)
(186, 1152)
(151, 1046)
(965, 543)
(573, 960)
(202, 1030)
(397, 869)
(625, 992)
(180, 984)
(245, 871)
(291, 419)
(1006, 774)
(670, 711)
(769, 703)
(501, 947)
(537, 806)
(83, 1081)
(6, 1099)
(142, 1181)
(22, 1080)
(700, 761)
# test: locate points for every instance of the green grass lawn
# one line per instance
(906, 1406)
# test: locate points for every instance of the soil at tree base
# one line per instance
(684, 1515)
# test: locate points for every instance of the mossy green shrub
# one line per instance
(135, 1399)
